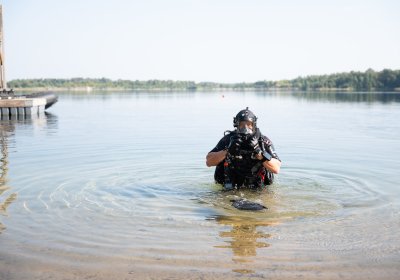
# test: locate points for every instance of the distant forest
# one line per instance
(368, 80)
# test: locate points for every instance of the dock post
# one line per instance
(13, 111)
(5, 111)
(41, 109)
(28, 111)
(21, 111)
(3, 83)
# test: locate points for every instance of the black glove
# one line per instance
(254, 145)
(235, 144)
(266, 153)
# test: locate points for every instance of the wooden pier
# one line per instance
(12, 105)
(22, 107)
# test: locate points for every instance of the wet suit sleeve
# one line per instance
(219, 169)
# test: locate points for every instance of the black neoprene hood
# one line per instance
(245, 115)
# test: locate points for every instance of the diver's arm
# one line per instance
(272, 165)
(213, 158)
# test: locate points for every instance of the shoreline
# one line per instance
(249, 89)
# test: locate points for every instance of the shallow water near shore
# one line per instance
(114, 186)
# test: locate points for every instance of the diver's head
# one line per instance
(245, 122)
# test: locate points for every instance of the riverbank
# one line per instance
(369, 80)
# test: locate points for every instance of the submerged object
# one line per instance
(243, 204)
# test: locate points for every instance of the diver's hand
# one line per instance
(235, 144)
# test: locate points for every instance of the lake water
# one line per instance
(115, 186)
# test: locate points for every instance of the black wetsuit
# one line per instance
(243, 170)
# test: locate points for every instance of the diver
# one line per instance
(244, 157)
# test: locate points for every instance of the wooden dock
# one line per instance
(22, 107)
(25, 106)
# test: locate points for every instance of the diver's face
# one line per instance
(246, 127)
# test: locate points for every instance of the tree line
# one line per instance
(369, 80)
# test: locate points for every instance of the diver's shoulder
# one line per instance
(226, 137)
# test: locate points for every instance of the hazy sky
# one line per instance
(199, 40)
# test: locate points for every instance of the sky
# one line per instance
(198, 40)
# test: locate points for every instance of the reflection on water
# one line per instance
(4, 188)
(368, 97)
(339, 96)
(7, 129)
(112, 173)
(244, 237)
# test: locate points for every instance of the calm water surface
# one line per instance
(114, 186)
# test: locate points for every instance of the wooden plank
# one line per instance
(22, 102)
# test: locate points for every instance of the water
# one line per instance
(114, 186)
